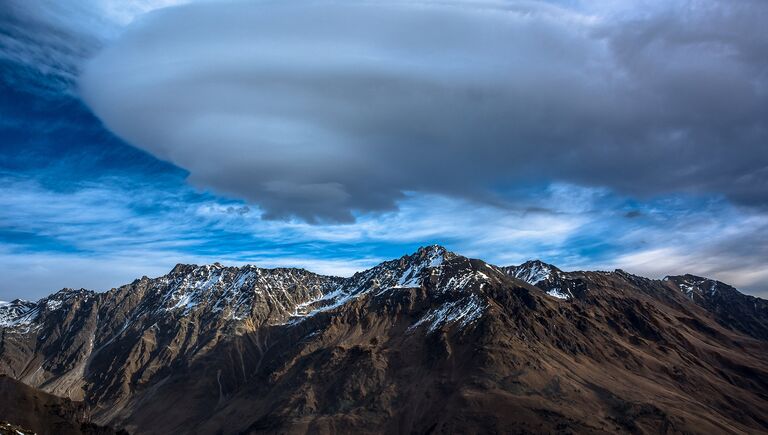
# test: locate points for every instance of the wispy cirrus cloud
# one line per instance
(126, 231)
(51, 39)
(732, 250)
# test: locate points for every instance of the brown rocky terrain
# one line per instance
(430, 343)
(26, 410)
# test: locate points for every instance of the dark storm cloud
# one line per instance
(319, 109)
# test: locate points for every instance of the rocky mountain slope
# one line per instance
(26, 410)
(432, 342)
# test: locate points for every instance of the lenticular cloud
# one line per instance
(319, 109)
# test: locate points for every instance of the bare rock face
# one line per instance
(432, 342)
(104, 344)
(737, 311)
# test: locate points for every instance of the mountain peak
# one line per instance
(547, 277)
(426, 257)
(533, 271)
(432, 251)
(537, 262)
(182, 268)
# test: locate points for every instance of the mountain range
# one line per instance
(432, 342)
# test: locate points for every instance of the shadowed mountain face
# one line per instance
(741, 312)
(26, 410)
(432, 342)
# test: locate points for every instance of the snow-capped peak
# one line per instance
(409, 271)
(426, 257)
(545, 276)
(533, 272)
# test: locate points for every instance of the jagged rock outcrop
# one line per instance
(432, 342)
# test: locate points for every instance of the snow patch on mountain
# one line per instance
(429, 258)
(238, 291)
(53, 304)
(557, 293)
(327, 302)
(533, 272)
(431, 262)
(461, 312)
(407, 272)
(696, 287)
(18, 313)
(552, 280)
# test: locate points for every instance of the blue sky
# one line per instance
(109, 171)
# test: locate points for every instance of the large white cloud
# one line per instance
(318, 109)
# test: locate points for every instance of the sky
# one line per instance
(333, 135)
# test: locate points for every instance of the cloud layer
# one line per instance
(321, 109)
(107, 233)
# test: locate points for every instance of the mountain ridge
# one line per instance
(531, 267)
(288, 350)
